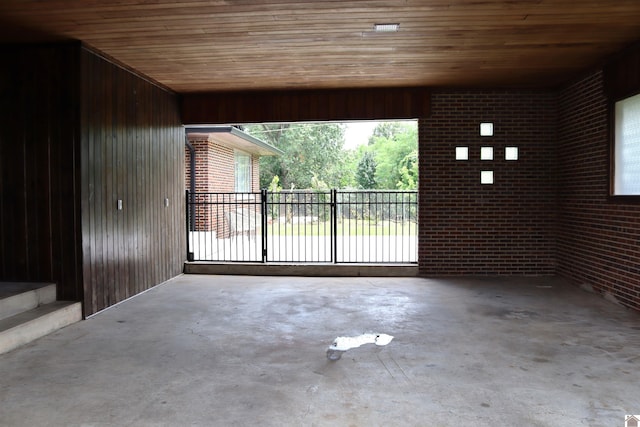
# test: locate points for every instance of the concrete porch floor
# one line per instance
(246, 351)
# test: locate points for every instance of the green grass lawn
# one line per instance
(345, 228)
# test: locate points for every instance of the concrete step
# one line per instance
(17, 297)
(30, 325)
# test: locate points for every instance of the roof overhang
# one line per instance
(233, 137)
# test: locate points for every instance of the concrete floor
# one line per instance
(246, 351)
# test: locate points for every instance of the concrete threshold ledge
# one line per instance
(326, 270)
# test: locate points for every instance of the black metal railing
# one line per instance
(377, 226)
(224, 227)
(303, 226)
(299, 226)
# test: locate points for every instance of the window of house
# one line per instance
(626, 149)
(242, 172)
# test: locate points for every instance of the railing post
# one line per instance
(263, 207)
(188, 209)
(334, 226)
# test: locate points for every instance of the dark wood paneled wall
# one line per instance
(77, 133)
(311, 105)
(132, 150)
(39, 164)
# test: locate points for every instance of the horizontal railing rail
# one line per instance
(303, 226)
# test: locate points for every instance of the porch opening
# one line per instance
(285, 210)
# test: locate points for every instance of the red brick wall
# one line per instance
(215, 167)
(505, 228)
(214, 173)
(598, 238)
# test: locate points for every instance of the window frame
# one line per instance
(627, 198)
(236, 155)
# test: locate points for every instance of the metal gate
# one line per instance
(303, 226)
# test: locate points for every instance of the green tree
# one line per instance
(394, 151)
(348, 169)
(308, 148)
(387, 131)
(366, 173)
(409, 172)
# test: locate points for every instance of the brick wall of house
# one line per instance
(598, 238)
(215, 167)
(505, 228)
(214, 174)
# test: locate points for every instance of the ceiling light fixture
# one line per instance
(386, 28)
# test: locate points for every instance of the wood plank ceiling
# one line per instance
(225, 45)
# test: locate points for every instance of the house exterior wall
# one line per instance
(501, 229)
(598, 238)
(215, 173)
